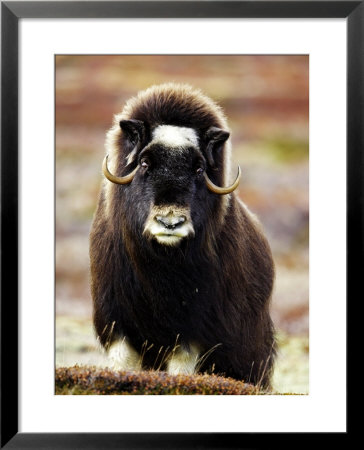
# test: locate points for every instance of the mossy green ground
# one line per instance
(76, 345)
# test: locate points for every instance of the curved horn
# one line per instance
(118, 180)
(222, 190)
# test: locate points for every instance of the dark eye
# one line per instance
(144, 162)
(199, 171)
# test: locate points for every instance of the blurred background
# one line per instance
(266, 100)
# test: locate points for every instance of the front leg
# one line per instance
(183, 361)
(124, 356)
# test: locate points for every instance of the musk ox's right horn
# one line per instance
(118, 180)
(223, 190)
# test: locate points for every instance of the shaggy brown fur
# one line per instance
(212, 290)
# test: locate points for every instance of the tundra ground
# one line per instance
(77, 346)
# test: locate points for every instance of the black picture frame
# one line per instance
(11, 12)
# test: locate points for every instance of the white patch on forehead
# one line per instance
(173, 136)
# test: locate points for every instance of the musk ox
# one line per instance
(181, 273)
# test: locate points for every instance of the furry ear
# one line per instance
(133, 129)
(214, 138)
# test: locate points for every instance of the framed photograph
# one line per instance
(288, 78)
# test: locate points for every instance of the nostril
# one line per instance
(179, 221)
(171, 222)
(162, 220)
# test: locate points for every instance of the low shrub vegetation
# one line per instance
(84, 380)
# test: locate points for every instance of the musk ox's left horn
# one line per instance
(223, 190)
(118, 180)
